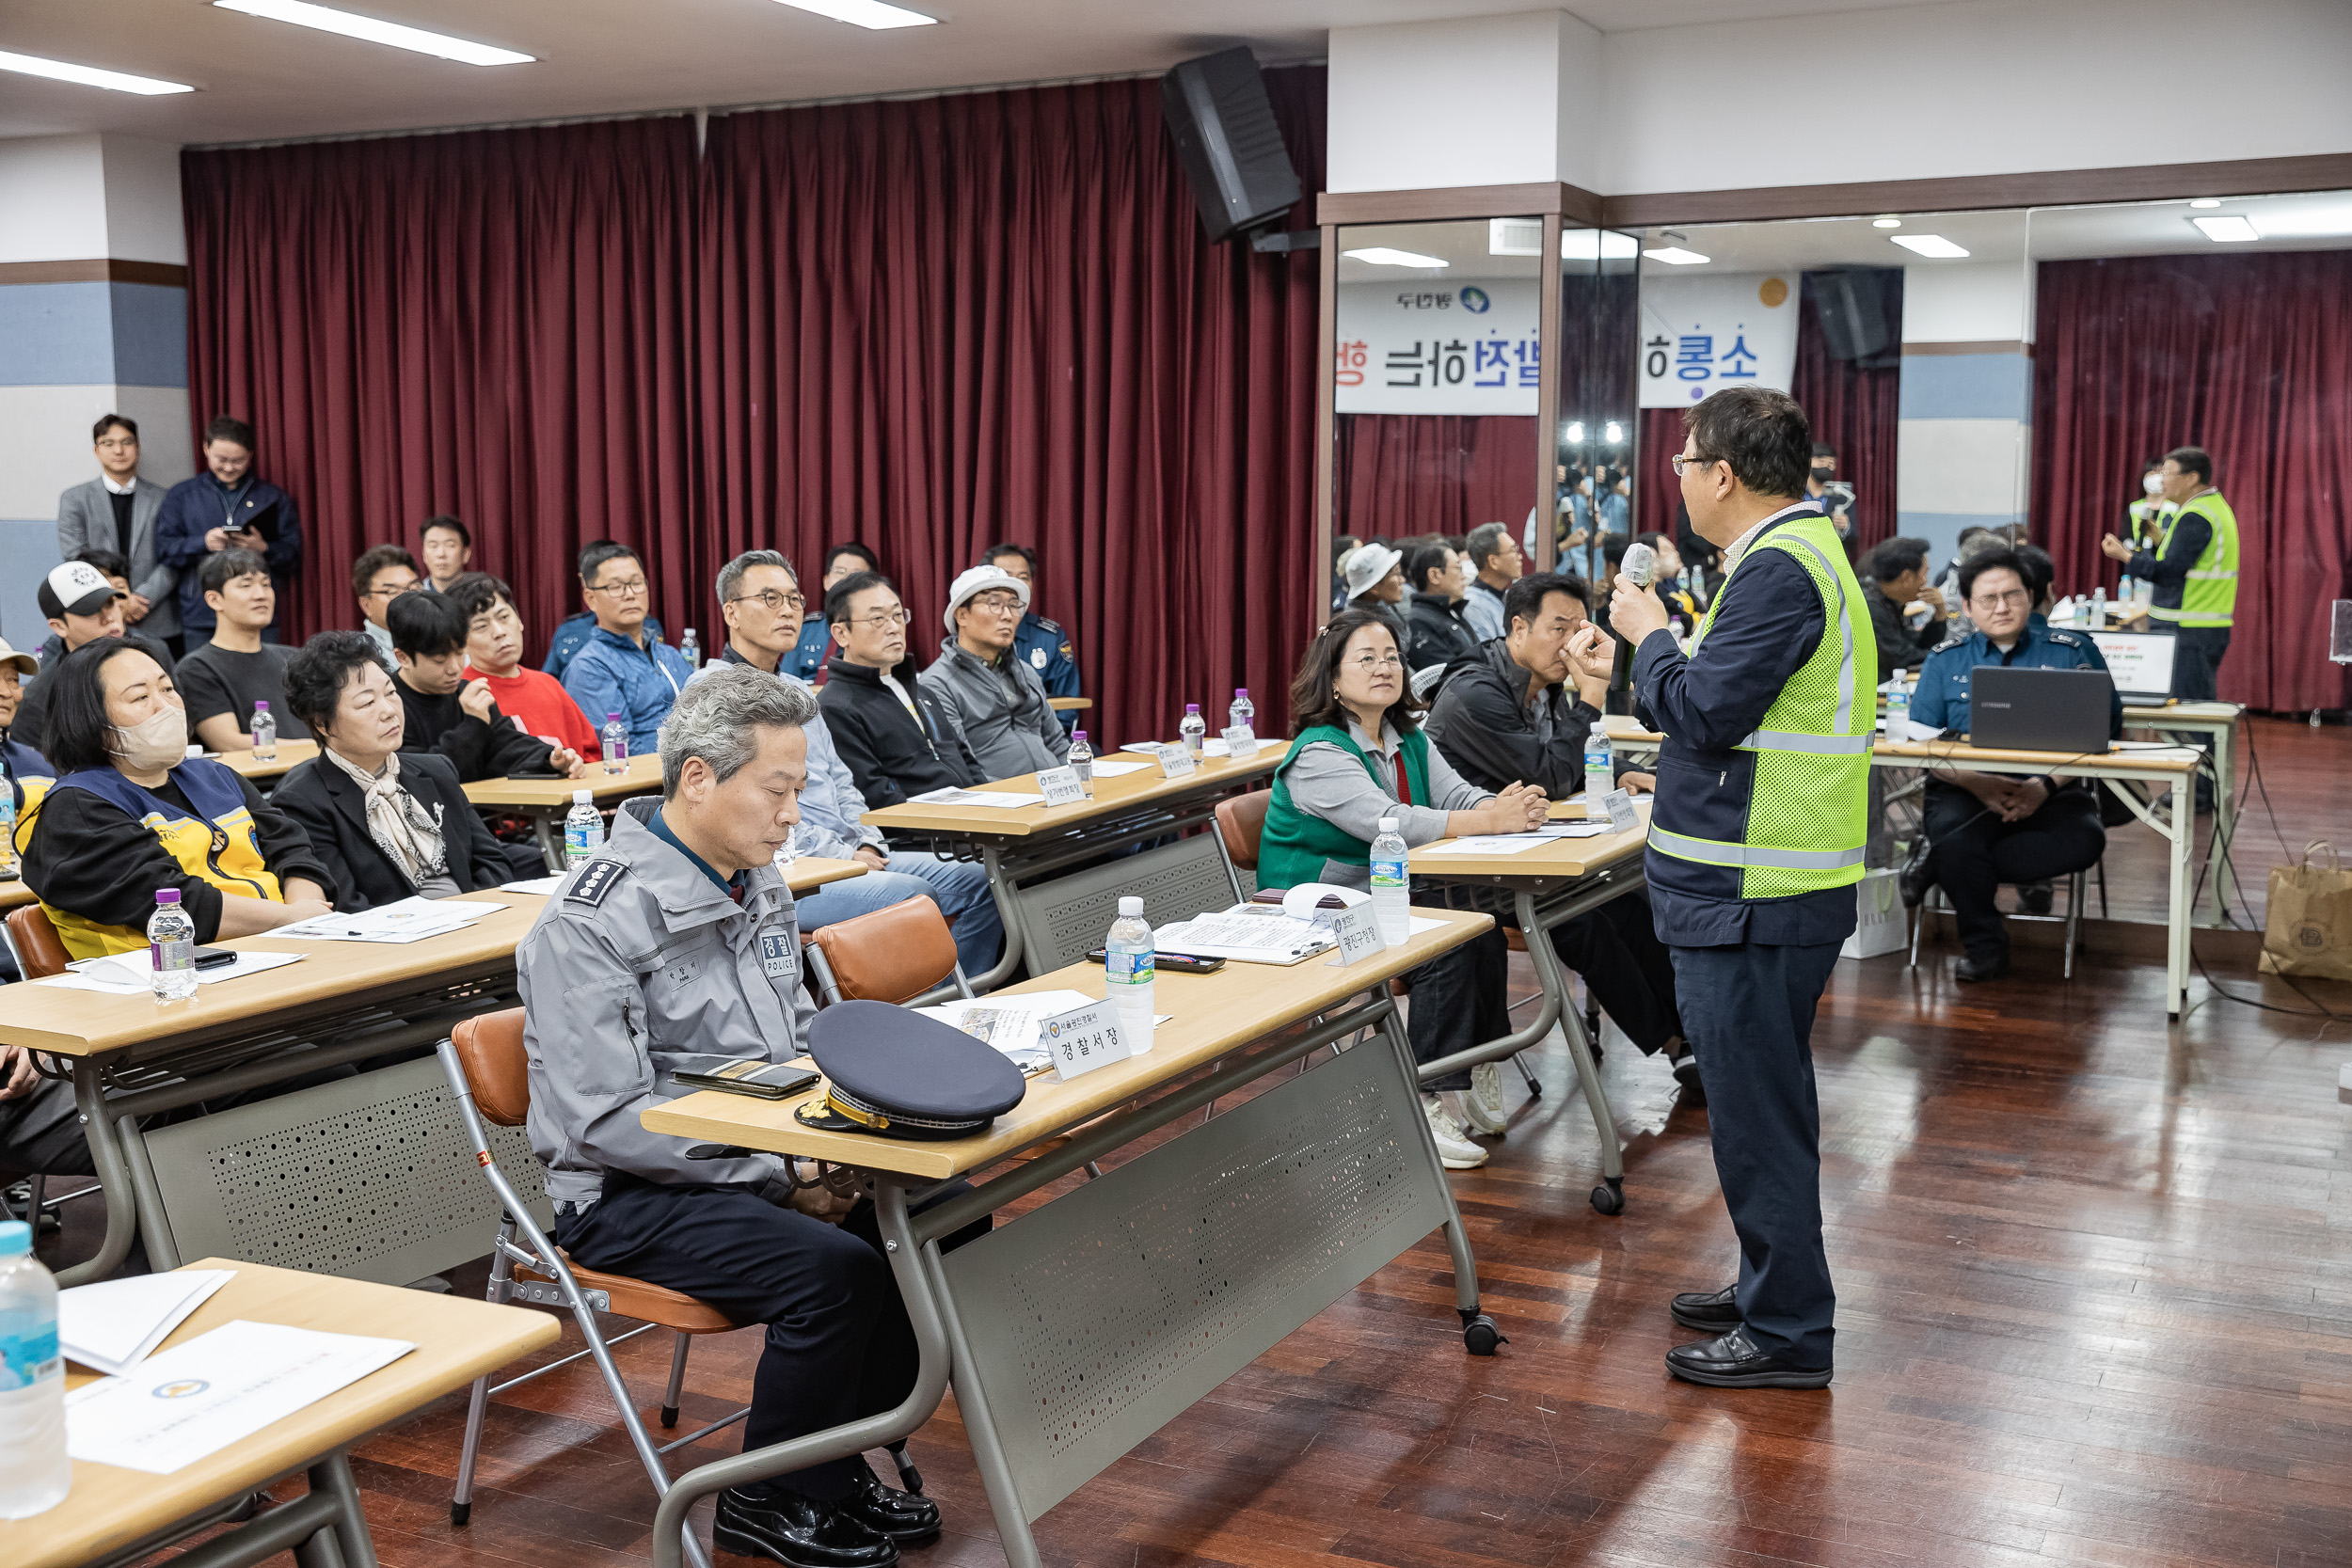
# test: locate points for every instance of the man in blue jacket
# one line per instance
(227, 507)
(1992, 828)
(623, 668)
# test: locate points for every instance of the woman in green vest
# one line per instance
(1360, 756)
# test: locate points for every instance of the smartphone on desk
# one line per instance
(765, 1080)
(214, 958)
(1175, 963)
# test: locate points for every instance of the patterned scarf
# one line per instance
(397, 820)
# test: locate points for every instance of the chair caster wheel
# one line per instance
(459, 1514)
(1609, 1197)
(669, 1415)
(1479, 1334)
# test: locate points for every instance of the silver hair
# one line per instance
(731, 575)
(718, 716)
(1485, 543)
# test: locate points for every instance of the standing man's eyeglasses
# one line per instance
(1684, 465)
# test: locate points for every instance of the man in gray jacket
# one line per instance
(116, 512)
(995, 699)
(676, 947)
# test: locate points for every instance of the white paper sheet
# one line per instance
(1110, 767)
(133, 973)
(1247, 933)
(1486, 843)
(542, 885)
(195, 1399)
(1013, 1024)
(113, 1325)
(1422, 926)
(408, 920)
(993, 800)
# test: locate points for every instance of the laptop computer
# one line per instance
(2141, 662)
(2039, 710)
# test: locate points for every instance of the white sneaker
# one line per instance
(1483, 1106)
(1455, 1150)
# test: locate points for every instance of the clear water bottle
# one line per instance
(583, 829)
(1128, 963)
(1392, 894)
(613, 737)
(171, 947)
(1082, 761)
(264, 734)
(1898, 712)
(1244, 711)
(2099, 608)
(1597, 771)
(2082, 609)
(690, 649)
(1193, 730)
(34, 1473)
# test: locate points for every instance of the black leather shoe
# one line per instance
(1915, 879)
(1734, 1362)
(1709, 1311)
(886, 1510)
(1982, 969)
(798, 1531)
(2037, 896)
(1686, 1067)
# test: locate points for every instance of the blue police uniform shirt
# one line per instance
(1044, 647)
(1942, 696)
(807, 657)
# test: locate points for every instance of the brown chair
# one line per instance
(1240, 824)
(895, 954)
(489, 1076)
(40, 953)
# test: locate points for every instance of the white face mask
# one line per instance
(2154, 484)
(154, 742)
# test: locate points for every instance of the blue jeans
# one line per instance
(960, 888)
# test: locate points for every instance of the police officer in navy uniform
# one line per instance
(1987, 828)
(676, 948)
(1038, 643)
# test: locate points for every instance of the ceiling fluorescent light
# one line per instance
(1886, 223)
(1593, 245)
(89, 76)
(372, 30)
(1928, 245)
(864, 14)
(2279, 222)
(1675, 256)
(2231, 230)
(1382, 256)
(2207, 201)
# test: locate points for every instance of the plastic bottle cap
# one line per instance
(582, 798)
(1192, 707)
(1241, 691)
(16, 1239)
(1387, 824)
(261, 707)
(166, 896)
(1129, 904)
(1077, 734)
(612, 718)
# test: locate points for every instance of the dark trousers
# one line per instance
(1749, 1010)
(2197, 662)
(1975, 852)
(1615, 947)
(1457, 1003)
(839, 1346)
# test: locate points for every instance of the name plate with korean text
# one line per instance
(1357, 934)
(1621, 813)
(1085, 1039)
(1060, 787)
(1241, 742)
(1175, 762)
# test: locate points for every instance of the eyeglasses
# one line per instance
(771, 600)
(621, 590)
(1371, 662)
(1001, 603)
(882, 620)
(1684, 465)
(2001, 601)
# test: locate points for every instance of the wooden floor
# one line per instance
(2096, 1307)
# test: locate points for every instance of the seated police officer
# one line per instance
(676, 947)
(1987, 828)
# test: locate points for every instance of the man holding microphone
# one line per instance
(1756, 841)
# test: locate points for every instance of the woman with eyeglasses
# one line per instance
(1360, 756)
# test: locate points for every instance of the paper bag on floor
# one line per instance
(2309, 929)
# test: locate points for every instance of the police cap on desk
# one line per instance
(901, 1075)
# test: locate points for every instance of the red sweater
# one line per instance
(538, 701)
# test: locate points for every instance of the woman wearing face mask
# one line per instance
(132, 813)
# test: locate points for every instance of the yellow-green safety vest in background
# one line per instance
(2151, 520)
(1807, 815)
(2209, 597)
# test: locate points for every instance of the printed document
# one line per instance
(113, 1326)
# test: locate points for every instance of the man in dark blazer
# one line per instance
(116, 512)
(387, 824)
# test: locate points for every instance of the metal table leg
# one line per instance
(114, 1179)
(1610, 1196)
(2217, 870)
(2182, 830)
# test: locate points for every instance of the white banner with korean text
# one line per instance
(1702, 334)
(1431, 347)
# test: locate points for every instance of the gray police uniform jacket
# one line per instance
(638, 969)
(1002, 710)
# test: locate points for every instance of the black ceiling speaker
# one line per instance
(1231, 150)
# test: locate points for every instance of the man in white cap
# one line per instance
(82, 604)
(1376, 582)
(996, 700)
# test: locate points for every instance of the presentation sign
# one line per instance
(1702, 334)
(1432, 346)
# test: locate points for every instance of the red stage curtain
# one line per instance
(2243, 355)
(1396, 475)
(1656, 494)
(937, 324)
(1855, 410)
(493, 323)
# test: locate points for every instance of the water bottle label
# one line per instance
(28, 1358)
(177, 954)
(1388, 873)
(1129, 969)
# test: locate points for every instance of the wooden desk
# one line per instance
(1548, 886)
(1029, 846)
(111, 1510)
(1151, 1284)
(545, 802)
(291, 755)
(1070, 704)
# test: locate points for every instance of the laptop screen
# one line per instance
(2141, 662)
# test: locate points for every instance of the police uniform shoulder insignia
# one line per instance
(1049, 627)
(1952, 641)
(595, 882)
(2065, 638)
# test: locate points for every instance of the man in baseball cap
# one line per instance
(82, 604)
(995, 699)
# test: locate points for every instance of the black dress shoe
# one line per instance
(1982, 969)
(796, 1530)
(1916, 878)
(886, 1510)
(1734, 1362)
(1686, 1067)
(1709, 1311)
